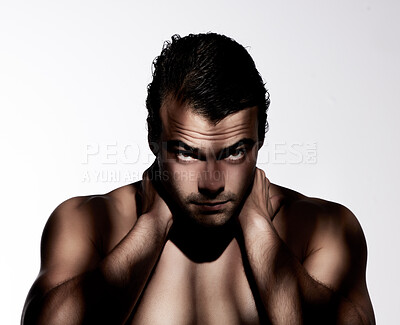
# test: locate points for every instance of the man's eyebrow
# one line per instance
(246, 141)
(178, 143)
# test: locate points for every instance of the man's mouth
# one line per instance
(211, 205)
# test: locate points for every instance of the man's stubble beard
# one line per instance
(186, 210)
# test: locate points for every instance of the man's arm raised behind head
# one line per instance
(325, 283)
(328, 286)
(76, 284)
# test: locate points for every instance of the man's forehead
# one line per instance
(180, 122)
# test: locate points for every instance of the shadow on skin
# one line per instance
(201, 244)
(206, 244)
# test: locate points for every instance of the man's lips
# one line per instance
(211, 205)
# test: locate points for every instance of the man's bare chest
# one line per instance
(182, 292)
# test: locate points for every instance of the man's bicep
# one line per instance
(338, 258)
(338, 253)
(330, 262)
(68, 244)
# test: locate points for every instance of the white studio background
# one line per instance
(72, 92)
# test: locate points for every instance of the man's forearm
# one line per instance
(108, 293)
(290, 295)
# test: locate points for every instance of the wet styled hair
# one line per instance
(212, 73)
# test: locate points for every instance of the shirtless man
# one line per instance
(204, 238)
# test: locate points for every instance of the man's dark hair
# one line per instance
(212, 73)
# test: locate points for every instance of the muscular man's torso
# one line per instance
(181, 291)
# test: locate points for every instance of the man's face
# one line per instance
(207, 168)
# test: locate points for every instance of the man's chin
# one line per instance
(209, 219)
(205, 215)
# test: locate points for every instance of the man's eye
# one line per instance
(185, 156)
(237, 155)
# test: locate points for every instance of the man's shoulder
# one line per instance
(297, 205)
(102, 219)
(305, 220)
(114, 206)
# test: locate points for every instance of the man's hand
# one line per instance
(151, 200)
(260, 204)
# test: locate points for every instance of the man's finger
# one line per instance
(276, 203)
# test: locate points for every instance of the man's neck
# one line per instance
(199, 243)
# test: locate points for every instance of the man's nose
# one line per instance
(211, 181)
